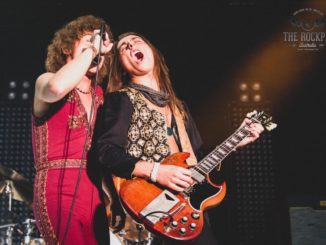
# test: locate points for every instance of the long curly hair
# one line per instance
(65, 38)
(119, 78)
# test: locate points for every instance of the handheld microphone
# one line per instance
(98, 57)
(102, 35)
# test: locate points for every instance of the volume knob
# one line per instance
(174, 223)
(192, 226)
(184, 219)
(182, 231)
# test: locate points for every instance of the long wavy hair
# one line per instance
(119, 78)
(65, 38)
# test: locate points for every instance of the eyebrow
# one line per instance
(124, 43)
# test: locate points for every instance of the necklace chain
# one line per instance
(84, 92)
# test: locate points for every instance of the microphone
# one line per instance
(102, 34)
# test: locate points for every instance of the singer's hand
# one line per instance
(106, 45)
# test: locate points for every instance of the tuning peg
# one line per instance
(270, 126)
(251, 114)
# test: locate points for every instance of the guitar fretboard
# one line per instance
(214, 158)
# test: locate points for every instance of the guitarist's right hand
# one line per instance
(174, 177)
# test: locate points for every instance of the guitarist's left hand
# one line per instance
(255, 130)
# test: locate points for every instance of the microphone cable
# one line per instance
(98, 57)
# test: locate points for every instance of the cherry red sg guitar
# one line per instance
(179, 216)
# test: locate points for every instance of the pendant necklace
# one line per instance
(169, 130)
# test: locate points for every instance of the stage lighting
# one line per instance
(256, 98)
(11, 95)
(19, 91)
(243, 86)
(26, 85)
(244, 98)
(12, 84)
(256, 86)
(250, 92)
(25, 96)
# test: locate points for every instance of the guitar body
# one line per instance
(150, 203)
(179, 216)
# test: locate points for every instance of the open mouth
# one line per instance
(139, 55)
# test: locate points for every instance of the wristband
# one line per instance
(154, 171)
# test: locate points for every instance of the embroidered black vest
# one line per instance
(147, 138)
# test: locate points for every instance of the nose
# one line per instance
(129, 45)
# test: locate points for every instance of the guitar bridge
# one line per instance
(159, 206)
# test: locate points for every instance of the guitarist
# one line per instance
(144, 122)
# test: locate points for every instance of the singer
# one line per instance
(144, 122)
(64, 112)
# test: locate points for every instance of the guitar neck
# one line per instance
(213, 159)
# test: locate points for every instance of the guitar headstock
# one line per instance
(264, 119)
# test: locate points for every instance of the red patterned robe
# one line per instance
(58, 143)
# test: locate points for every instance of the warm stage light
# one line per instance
(256, 86)
(243, 86)
(244, 98)
(256, 97)
(250, 92)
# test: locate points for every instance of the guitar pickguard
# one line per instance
(161, 205)
(201, 192)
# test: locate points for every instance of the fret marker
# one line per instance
(240, 134)
(229, 145)
(221, 151)
(235, 140)
(215, 157)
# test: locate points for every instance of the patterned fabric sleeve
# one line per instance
(112, 142)
(112, 139)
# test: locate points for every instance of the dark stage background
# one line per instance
(211, 48)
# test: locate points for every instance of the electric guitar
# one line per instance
(179, 216)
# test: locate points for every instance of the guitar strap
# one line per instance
(184, 139)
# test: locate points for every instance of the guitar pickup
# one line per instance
(159, 206)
